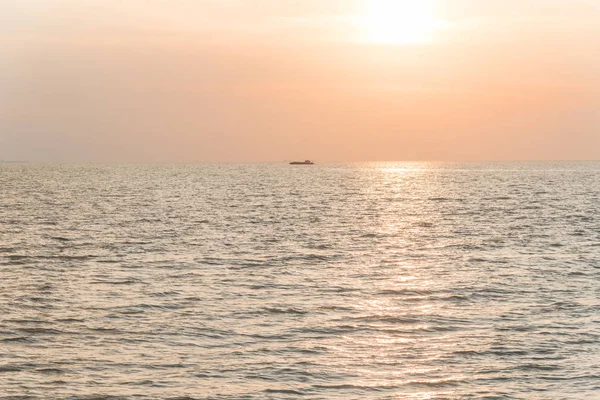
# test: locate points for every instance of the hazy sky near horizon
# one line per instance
(268, 80)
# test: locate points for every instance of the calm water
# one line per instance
(266, 281)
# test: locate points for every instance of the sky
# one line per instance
(273, 80)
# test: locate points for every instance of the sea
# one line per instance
(272, 281)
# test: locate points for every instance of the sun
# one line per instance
(399, 21)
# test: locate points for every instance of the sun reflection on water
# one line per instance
(401, 308)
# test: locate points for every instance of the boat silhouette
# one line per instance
(305, 162)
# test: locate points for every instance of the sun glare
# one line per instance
(399, 21)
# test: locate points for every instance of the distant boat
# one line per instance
(305, 162)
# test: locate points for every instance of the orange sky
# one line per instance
(266, 80)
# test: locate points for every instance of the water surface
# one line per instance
(267, 281)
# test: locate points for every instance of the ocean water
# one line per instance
(270, 281)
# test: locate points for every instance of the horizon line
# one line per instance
(287, 161)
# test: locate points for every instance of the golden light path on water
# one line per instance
(405, 277)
